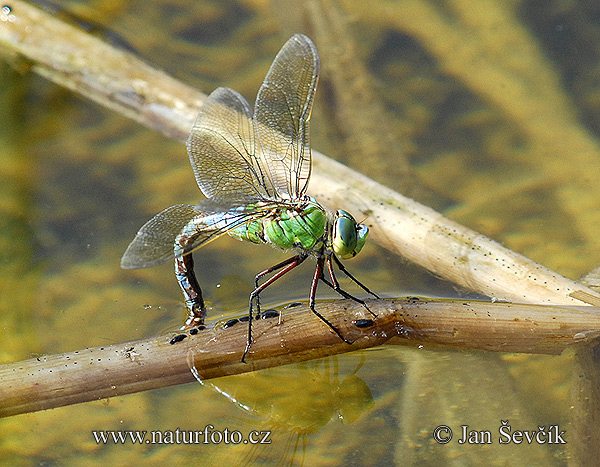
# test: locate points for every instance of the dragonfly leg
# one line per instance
(194, 303)
(287, 266)
(269, 271)
(313, 293)
(351, 277)
(335, 285)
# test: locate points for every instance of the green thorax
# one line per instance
(301, 226)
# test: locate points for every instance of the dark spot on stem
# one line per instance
(268, 314)
(230, 323)
(177, 338)
(363, 323)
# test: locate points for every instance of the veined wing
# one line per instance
(282, 115)
(223, 149)
(154, 242)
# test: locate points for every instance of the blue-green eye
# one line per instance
(348, 237)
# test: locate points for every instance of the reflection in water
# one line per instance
(293, 403)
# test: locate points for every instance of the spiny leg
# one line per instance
(289, 264)
(313, 292)
(351, 277)
(194, 303)
(335, 285)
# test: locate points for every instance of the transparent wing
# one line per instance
(154, 242)
(282, 115)
(223, 149)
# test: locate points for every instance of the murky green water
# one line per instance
(77, 181)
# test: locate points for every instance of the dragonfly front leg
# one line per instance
(194, 302)
(288, 265)
(312, 298)
(335, 285)
(350, 276)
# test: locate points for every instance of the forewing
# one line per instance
(223, 149)
(282, 115)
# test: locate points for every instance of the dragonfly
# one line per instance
(254, 169)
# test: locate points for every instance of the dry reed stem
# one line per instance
(113, 370)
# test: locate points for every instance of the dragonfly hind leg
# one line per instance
(287, 266)
(194, 302)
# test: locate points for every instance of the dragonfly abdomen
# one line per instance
(199, 226)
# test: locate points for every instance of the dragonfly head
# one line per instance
(348, 236)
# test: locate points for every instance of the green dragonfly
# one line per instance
(254, 170)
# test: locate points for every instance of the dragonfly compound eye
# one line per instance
(344, 239)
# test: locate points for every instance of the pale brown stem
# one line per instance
(107, 371)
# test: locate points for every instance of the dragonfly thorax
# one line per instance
(301, 225)
(308, 227)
